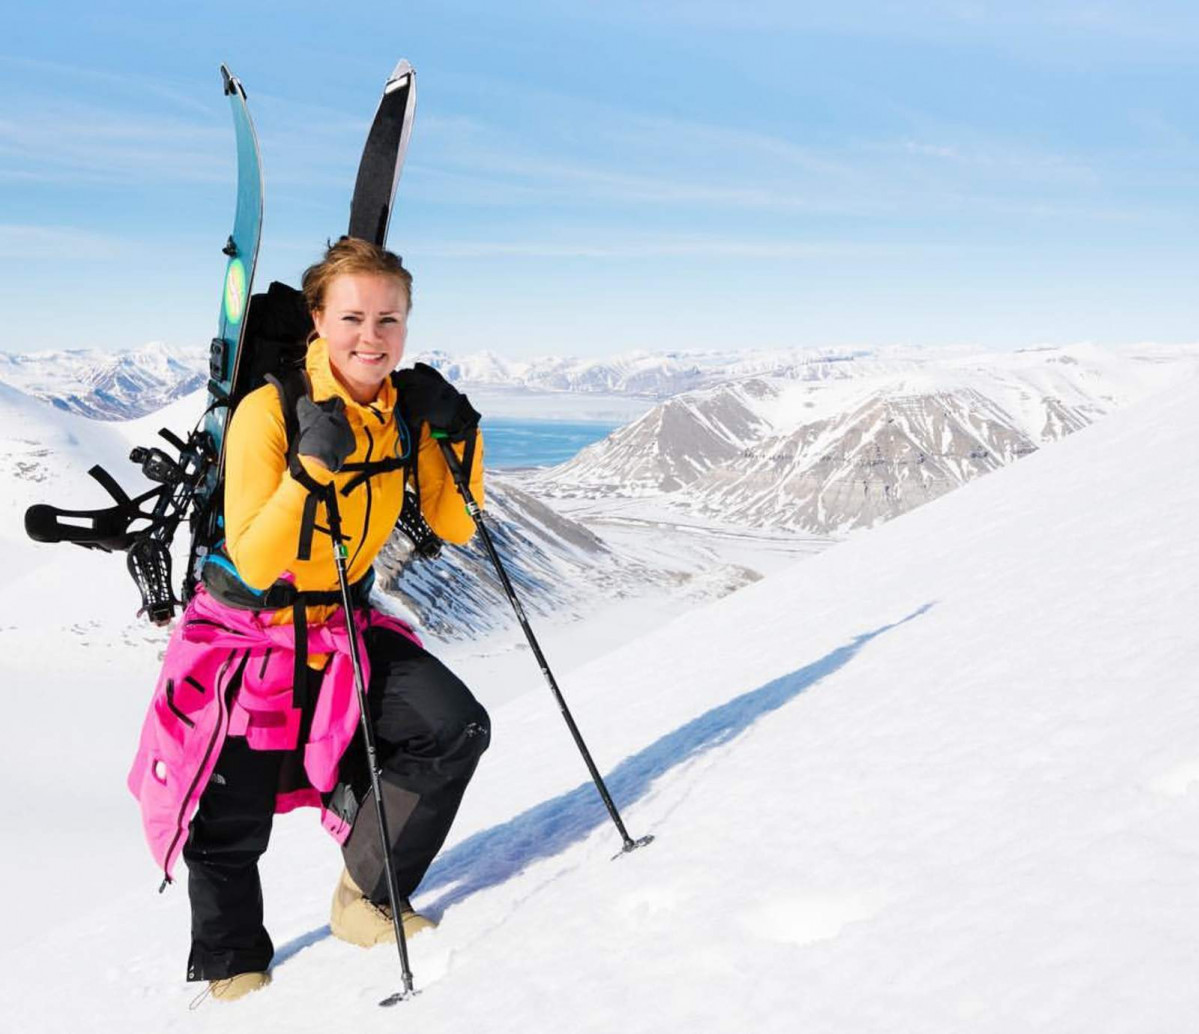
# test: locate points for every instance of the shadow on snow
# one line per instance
(494, 855)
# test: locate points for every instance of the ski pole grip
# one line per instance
(451, 460)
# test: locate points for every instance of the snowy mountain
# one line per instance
(830, 455)
(943, 777)
(672, 445)
(107, 385)
(123, 385)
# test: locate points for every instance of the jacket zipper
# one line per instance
(366, 520)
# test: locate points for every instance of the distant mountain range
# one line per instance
(107, 385)
(827, 455)
(815, 442)
(125, 385)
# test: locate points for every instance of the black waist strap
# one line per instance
(224, 585)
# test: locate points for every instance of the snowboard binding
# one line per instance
(141, 526)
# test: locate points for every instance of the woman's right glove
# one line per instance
(325, 434)
(429, 398)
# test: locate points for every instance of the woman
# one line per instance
(250, 717)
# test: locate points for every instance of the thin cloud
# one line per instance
(1027, 23)
(664, 248)
(125, 81)
(93, 143)
(23, 243)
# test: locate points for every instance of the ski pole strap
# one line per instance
(307, 526)
(468, 456)
(468, 451)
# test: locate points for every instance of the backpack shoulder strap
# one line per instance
(292, 385)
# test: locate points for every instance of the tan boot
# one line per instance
(232, 988)
(360, 921)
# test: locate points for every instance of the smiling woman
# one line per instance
(228, 740)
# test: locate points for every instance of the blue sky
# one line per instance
(588, 178)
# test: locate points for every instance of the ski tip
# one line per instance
(400, 75)
(230, 82)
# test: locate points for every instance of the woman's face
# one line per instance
(365, 322)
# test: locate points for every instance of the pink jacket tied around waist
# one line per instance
(228, 672)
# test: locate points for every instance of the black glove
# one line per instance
(325, 432)
(427, 397)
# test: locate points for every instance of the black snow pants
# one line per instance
(430, 733)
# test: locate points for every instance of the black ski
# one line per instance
(383, 157)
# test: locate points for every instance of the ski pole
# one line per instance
(368, 736)
(476, 514)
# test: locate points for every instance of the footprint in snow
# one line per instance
(809, 918)
(1176, 781)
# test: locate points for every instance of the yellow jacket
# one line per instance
(264, 504)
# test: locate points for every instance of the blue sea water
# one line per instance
(538, 443)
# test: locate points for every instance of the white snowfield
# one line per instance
(943, 777)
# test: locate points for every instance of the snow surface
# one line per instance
(943, 776)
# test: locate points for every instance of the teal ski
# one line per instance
(225, 352)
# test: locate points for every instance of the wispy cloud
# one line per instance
(128, 83)
(97, 144)
(664, 247)
(19, 244)
(635, 159)
(648, 161)
(1026, 23)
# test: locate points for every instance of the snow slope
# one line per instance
(943, 777)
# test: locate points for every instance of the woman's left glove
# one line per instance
(325, 432)
(429, 398)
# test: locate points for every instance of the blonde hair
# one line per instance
(347, 257)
